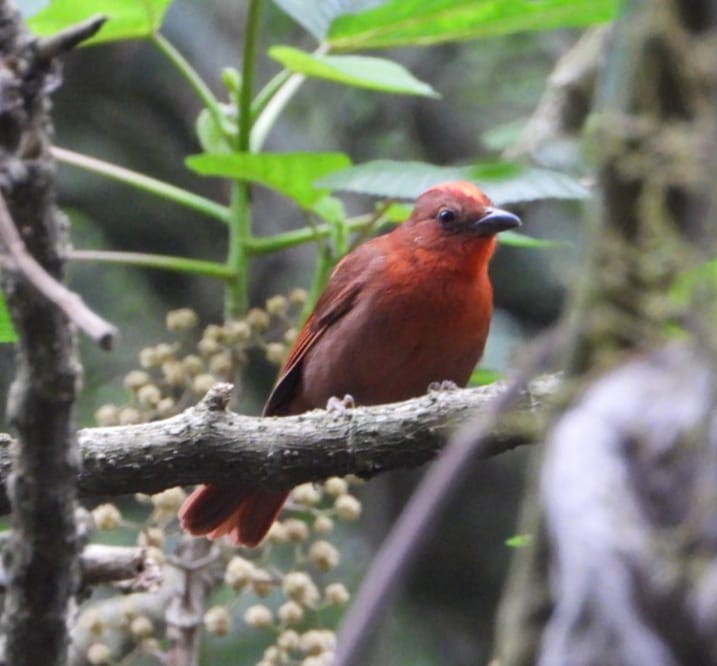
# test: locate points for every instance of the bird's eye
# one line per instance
(446, 216)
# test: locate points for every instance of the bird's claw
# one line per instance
(340, 405)
(445, 385)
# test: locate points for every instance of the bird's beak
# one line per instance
(494, 221)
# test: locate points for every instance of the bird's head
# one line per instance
(460, 209)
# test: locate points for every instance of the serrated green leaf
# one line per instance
(483, 376)
(316, 15)
(128, 19)
(519, 541)
(504, 183)
(351, 70)
(427, 22)
(7, 331)
(292, 174)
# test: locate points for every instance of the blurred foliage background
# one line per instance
(123, 103)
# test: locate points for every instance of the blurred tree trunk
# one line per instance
(623, 562)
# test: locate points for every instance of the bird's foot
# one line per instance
(340, 406)
(445, 385)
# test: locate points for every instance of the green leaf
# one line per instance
(330, 209)
(316, 15)
(128, 19)
(502, 182)
(292, 174)
(211, 138)
(426, 22)
(483, 376)
(7, 332)
(352, 70)
(519, 541)
(516, 239)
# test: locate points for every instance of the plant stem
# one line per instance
(146, 183)
(237, 291)
(159, 261)
(192, 77)
(258, 246)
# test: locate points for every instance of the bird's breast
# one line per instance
(413, 327)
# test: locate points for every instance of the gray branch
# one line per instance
(208, 443)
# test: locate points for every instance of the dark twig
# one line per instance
(409, 533)
(17, 257)
(61, 42)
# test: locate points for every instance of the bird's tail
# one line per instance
(245, 515)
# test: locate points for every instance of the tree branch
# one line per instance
(207, 443)
(18, 258)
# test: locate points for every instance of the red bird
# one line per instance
(401, 311)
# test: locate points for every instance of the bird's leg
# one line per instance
(445, 385)
(340, 405)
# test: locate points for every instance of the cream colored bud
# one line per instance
(221, 364)
(106, 516)
(262, 583)
(208, 346)
(99, 653)
(107, 415)
(356, 481)
(317, 641)
(259, 617)
(297, 585)
(291, 612)
(347, 508)
(155, 555)
(237, 331)
(275, 353)
(217, 621)
(258, 319)
(202, 383)
(129, 416)
(238, 573)
(213, 332)
(297, 530)
(141, 627)
(336, 486)
(183, 319)
(277, 533)
(336, 594)
(277, 306)
(288, 639)
(174, 373)
(166, 407)
(149, 395)
(307, 494)
(323, 525)
(165, 352)
(323, 659)
(148, 357)
(192, 364)
(297, 296)
(136, 379)
(272, 654)
(323, 555)
(169, 500)
(290, 336)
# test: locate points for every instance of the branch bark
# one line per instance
(208, 443)
(41, 560)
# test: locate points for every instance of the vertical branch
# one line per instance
(41, 556)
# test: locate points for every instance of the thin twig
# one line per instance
(404, 541)
(67, 39)
(70, 303)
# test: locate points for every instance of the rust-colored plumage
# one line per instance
(403, 310)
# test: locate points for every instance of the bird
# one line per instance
(402, 311)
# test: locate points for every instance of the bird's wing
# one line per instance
(345, 283)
